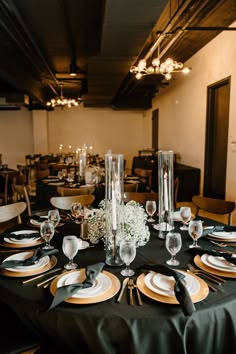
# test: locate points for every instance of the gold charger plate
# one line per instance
(199, 296)
(50, 265)
(197, 260)
(109, 293)
(21, 245)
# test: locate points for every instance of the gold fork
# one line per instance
(131, 287)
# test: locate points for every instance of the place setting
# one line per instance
(21, 239)
(23, 264)
(82, 286)
(165, 284)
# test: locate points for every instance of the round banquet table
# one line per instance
(119, 328)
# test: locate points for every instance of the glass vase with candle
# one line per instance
(114, 207)
(165, 193)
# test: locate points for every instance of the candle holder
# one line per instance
(165, 193)
(114, 207)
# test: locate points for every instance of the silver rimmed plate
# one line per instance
(224, 235)
(42, 262)
(101, 284)
(14, 240)
(164, 285)
(219, 263)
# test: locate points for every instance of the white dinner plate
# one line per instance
(24, 240)
(42, 262)
(164, 285)
(223, 235)
(219, 263)
(101, 284)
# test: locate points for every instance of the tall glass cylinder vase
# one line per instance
(114, 204)
(165, 193)
(82, 163)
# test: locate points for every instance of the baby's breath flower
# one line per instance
(135, 224)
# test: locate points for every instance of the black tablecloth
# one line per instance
(112, 328)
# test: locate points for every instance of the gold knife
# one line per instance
(41, 275)
(125, 282)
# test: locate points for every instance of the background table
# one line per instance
(112, 328)
(189, 177)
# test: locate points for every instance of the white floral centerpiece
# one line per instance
(135, 224)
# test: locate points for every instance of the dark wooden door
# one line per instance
(217, 139)
(155, 115)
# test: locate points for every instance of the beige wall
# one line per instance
(182, 106)
(23, 132)
(16, 136)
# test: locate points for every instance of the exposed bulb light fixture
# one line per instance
(165, 68)
(73, 69)
(61, 101)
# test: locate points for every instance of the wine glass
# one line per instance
(54, 217)
(173, 245)
(47, 231)
(77, 212)
(127, 254)
(195, 231)
(151, 208)
(70, 247)
(185, 215)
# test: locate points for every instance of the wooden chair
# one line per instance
(21, 191)
(214, 206)
(64, 203)
(140, 197)
(41, 174)
(145, 175)
(65, 191)
(10, 215)
(131, 187)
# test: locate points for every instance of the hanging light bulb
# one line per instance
(61, 101)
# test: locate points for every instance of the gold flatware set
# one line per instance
(131, 285)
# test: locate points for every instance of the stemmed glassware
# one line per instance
(54, 217)
(127, 254)
(77, 212)
(47, 231)
(195, 230)
(70, 247)
(185, 215)
(173, 246)
(151, 208)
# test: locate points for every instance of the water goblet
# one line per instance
(47, 231)
(127, 254)
(54, 217)
(195, 230)
(70, 247)
(151, 208)
(77, 212)
(173, 246)
(185, 215)
(60, 175)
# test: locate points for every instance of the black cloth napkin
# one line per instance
(22, 236)
(38, 253)
(66, 291)
(181, 293)
(228, 256)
